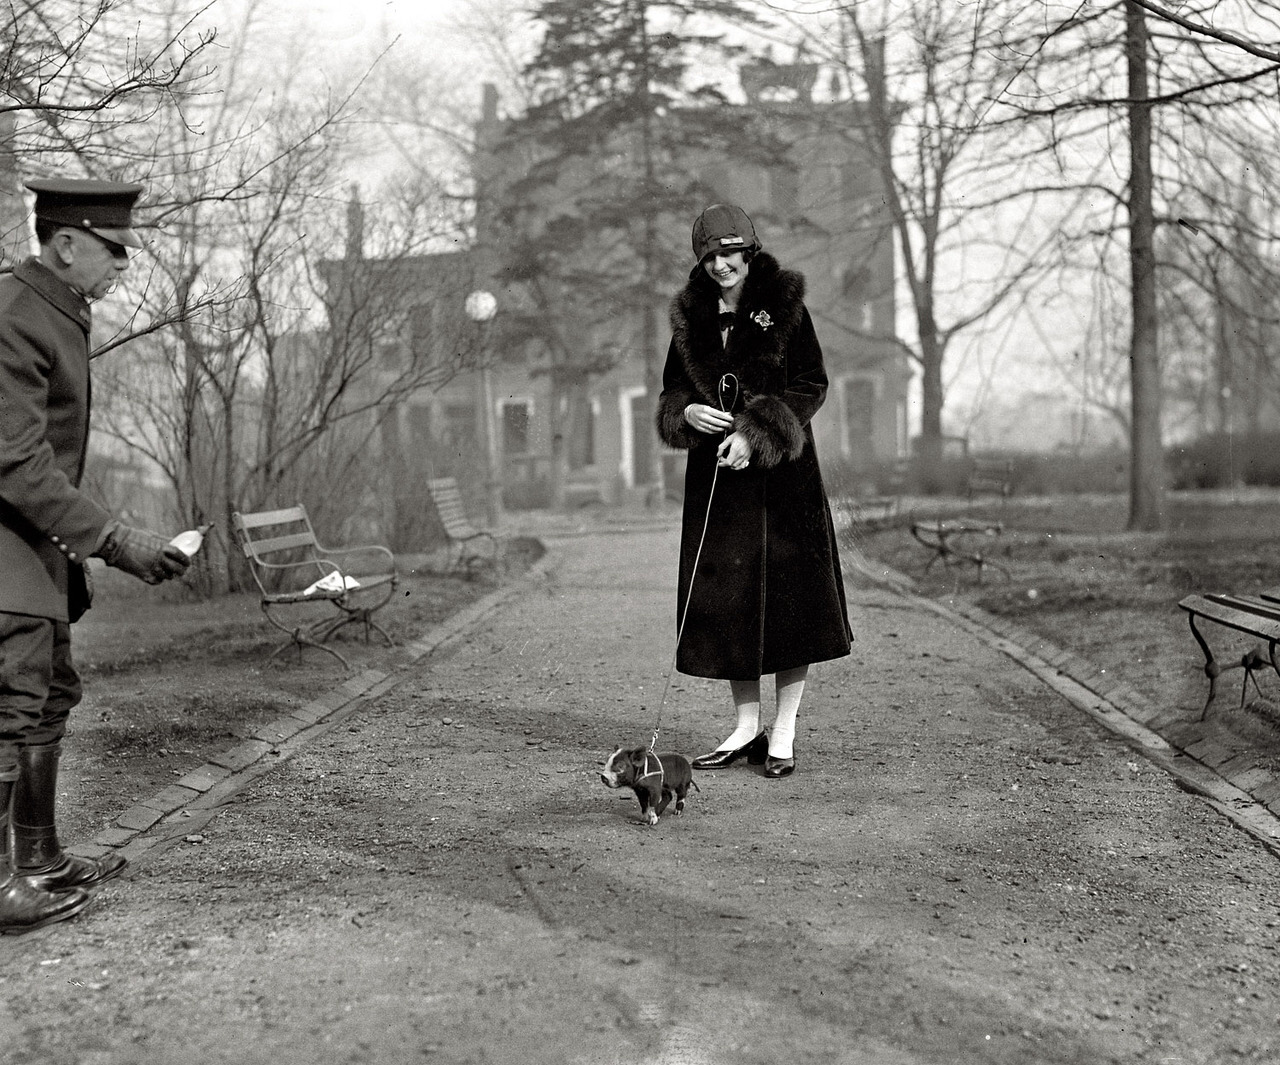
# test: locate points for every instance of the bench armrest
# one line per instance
(381, 560)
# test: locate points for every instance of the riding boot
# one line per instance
(37, 853)
(24, 904)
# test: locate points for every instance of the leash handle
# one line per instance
(727, 385)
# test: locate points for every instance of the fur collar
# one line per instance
(770, 311)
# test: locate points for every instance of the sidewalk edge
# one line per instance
(1186, 753)
(188, 804)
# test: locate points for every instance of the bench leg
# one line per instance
(1251, 661)
(1211, 667)
(361, 616)
(300, 639)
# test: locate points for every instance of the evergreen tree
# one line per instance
(626, 113)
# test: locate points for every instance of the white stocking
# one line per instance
(790, 686)
(746, 700)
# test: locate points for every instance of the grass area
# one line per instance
(170, 678)
(1071, 572)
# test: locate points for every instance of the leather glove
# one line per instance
(141, 553)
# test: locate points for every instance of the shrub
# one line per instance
(1221, 460)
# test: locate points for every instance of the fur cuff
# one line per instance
(772, 429)
(673, 430)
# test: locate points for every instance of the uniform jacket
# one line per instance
(768, 593)
(48, 527)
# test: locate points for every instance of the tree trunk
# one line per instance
(932, 397)
(1146, 476)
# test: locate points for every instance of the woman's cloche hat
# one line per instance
(723, 227)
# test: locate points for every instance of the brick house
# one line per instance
(820, 212)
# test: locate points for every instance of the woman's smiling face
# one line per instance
(726, 269)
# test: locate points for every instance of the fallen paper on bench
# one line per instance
(332, 584)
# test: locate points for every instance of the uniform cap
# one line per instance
(723, 227)
(104, 208)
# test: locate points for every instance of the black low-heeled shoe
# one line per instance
(777, 768)
(755, 751)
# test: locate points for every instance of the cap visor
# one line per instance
(127, 237)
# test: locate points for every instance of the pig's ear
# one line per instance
(637, 757)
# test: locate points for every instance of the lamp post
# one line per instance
(481, 306)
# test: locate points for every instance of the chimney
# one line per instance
(874, 64)
(355, 224)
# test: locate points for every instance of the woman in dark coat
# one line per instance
(743, 378)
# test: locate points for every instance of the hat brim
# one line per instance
(697, 269)
(126, 237)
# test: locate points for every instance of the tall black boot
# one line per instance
(24, 905)
(37, 853)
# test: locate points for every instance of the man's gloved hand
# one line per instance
(141, 553)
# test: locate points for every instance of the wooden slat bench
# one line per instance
(293, 571)
(991, 476)
(1254, 615)
(465, 539)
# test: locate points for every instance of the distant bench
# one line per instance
(1254, 615)
(866, 513)
(991, 476)
(465, 540)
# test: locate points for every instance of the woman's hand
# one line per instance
(735, 452)
(707, 419)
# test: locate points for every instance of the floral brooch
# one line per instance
(762, 319)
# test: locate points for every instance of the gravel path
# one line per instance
(964, 868)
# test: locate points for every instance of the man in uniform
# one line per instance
(49, 529)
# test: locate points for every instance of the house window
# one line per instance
(856, 290)
(460, 425)
(515, 427)
(859, 395)
(419, 328)
(420, 428)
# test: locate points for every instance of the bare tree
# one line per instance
(272, 337)
(1193, 100)
(970, 234)
(78, 78)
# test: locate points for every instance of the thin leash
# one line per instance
(728, 386)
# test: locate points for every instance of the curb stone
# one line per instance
(1232, 783)
(193, 800)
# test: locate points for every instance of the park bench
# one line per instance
(992, 477)
(465, 539)
(868, 513)
(880, 507)
(1254, 615)
(296, 575)
(951, 542)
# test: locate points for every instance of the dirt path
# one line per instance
(963, 869)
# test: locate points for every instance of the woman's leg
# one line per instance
(782, 736)
(746, 700)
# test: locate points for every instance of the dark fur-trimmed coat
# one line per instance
(768, 593)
